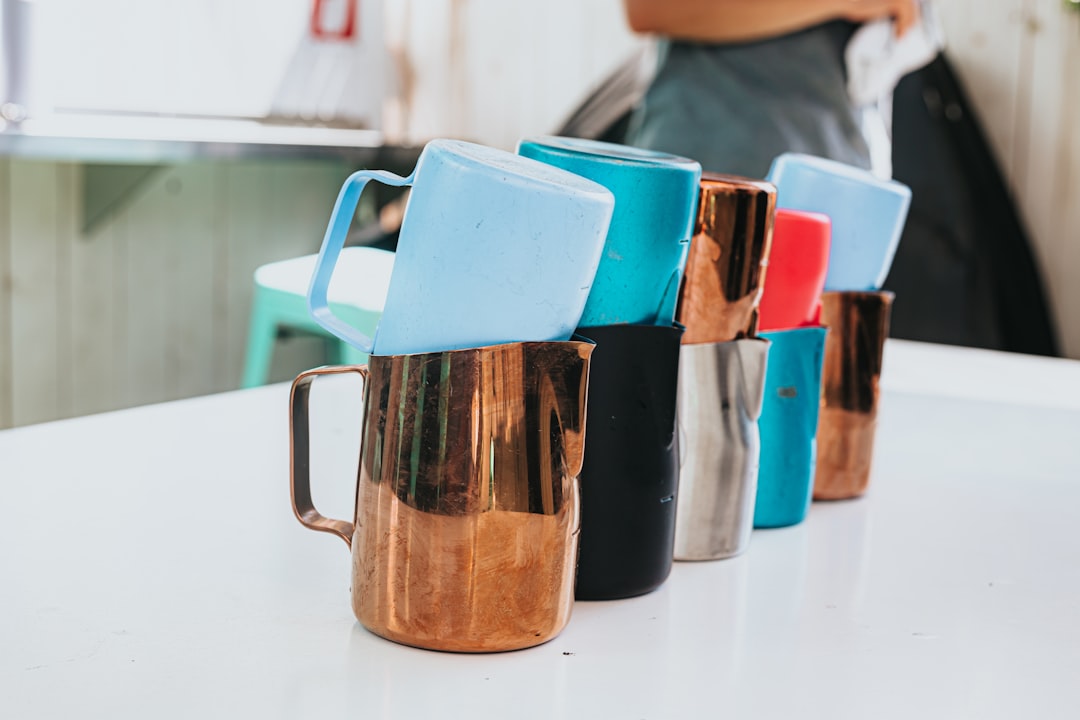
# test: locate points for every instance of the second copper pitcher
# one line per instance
(854, 348)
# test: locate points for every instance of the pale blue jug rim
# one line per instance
(481, 158)
(612, 151)
(835, 169)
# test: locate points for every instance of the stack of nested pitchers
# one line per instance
(867, 217)
(467, 505)
(581, 374)
(631, 470)
(790, 311)
(722, 366)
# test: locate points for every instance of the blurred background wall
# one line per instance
(152, 304)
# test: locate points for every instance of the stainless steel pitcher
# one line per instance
(721, 387)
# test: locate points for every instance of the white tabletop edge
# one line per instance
(976, 374)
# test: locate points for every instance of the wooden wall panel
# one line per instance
(95, 310)
(430, 106)
(244, 228)
(154, 304)
(494, 71)
(35, 311)
(219, 302)
(65, 228)
(1017, 59)
(277, 210)
(606, 41)
(1067, 192)
(498, 74)
(986, 41)
(147, 276)
(1040, 174)
(189, 282)
(5, 296)
(1048, 182)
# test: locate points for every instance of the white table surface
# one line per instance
(150, 567)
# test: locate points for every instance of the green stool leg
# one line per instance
(262, 334)
(271, 308)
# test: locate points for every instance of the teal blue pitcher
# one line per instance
(788, 426)
(655, 205)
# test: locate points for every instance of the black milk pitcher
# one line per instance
(631, 469)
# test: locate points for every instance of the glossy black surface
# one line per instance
(630, 476)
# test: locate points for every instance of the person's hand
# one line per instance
(905, 13)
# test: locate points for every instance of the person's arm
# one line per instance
(744, 20)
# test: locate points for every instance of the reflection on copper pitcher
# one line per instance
(858, 324)
(725, 270)
(467, 510)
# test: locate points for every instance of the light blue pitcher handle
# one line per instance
(333, 241)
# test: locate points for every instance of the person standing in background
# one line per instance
(742, 81)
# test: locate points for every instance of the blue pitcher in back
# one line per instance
(867, 214)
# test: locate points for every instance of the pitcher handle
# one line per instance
(333, 242)
(300, 453)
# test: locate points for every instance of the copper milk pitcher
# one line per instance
(729, 254)
(465, 532)
(858, 325)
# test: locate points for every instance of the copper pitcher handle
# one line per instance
(300, 453)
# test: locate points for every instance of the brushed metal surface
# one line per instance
(720, 395)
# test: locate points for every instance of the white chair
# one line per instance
(357, 294)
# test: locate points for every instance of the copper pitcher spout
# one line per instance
(568, 393)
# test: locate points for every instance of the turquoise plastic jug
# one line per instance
(655, 205)
(788, 425)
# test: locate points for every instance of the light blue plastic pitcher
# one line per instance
(655, 206)
(788, 426)
(493, 248)
(867, 214)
